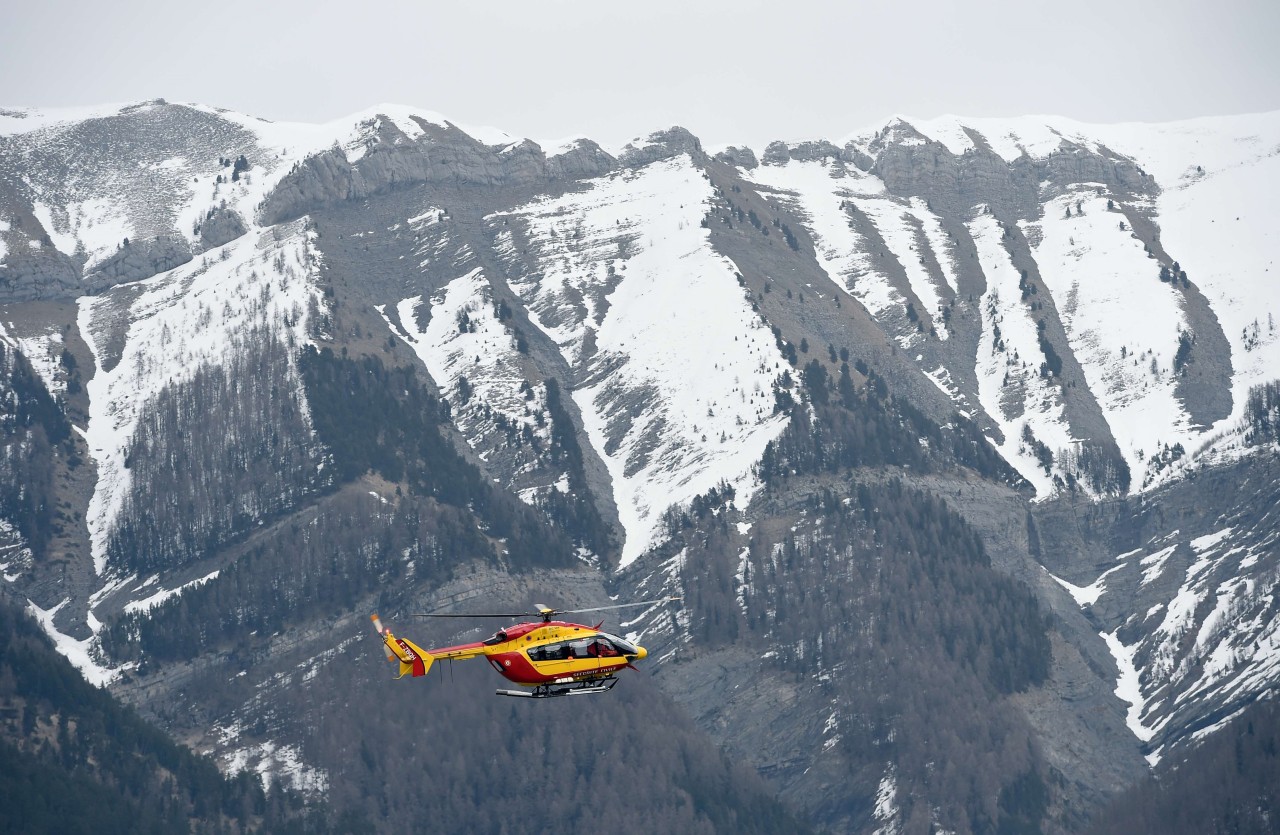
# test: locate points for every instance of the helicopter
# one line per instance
(550, 657)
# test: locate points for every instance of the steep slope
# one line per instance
(1072, 227)
(73, 760)
(1226, 784)
(410, 365)
(1182, 588)
(619, 276)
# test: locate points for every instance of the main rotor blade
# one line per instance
(618, 606)
(543, 610)
(469, 615)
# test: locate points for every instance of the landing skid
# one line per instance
(546, 691)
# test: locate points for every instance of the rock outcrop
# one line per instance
(221, 226)
(663, 144)
(443, 155)
(583, 158)
(137, 260)
(741, 157)
(38, 274)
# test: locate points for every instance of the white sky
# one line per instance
(742, 72)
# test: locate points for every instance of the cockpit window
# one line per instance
(624, 647)
(595, 646)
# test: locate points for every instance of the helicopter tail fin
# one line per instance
(414, 660)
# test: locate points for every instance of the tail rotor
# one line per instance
(414, 660)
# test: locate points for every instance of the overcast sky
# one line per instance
(733, 72)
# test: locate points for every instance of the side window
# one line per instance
(592, 647)
(553, 652)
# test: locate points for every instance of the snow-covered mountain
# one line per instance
(989, 228)
(635, 345)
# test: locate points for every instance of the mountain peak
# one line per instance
(661, 144)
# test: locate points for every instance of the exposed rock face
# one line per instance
(38, 274)
(661, 145)
(779, 152)
(776, 153)
(853, 154)
(584, 159)
(1204, 385)
(319, 179)
(1013, 177)
(507, 273)
(455, 158)
(443, 155)
(922, 167)
(523, 162)
(814, 151)
(222, 226)
(743, 157)
(1074, 164)
(1209, 540)
(138, 260)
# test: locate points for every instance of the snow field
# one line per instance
(463, 338)
(1121, 321)
(1224, 229)
(677, 398)
(106, 208)
(1087, 595)
(1018, 362)
(1218, 219)
(892, 220)
(1129, 684)
(819, 188)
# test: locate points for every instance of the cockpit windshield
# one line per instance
(624, 647)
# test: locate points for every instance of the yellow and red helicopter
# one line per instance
(551, 657)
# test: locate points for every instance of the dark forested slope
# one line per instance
(73, 760)
(1230, 784)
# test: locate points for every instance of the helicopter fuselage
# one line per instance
(552, 657)
(555, 652)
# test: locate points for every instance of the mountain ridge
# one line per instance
(663, 346)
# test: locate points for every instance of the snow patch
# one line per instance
(83, 654)
(822, 193)
(272, 761)
(1086, 595)
(886, 810)
(1155, 563)
(1128, 685)
(146, 604)
(43, 351)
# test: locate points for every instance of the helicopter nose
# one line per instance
(641, 652)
